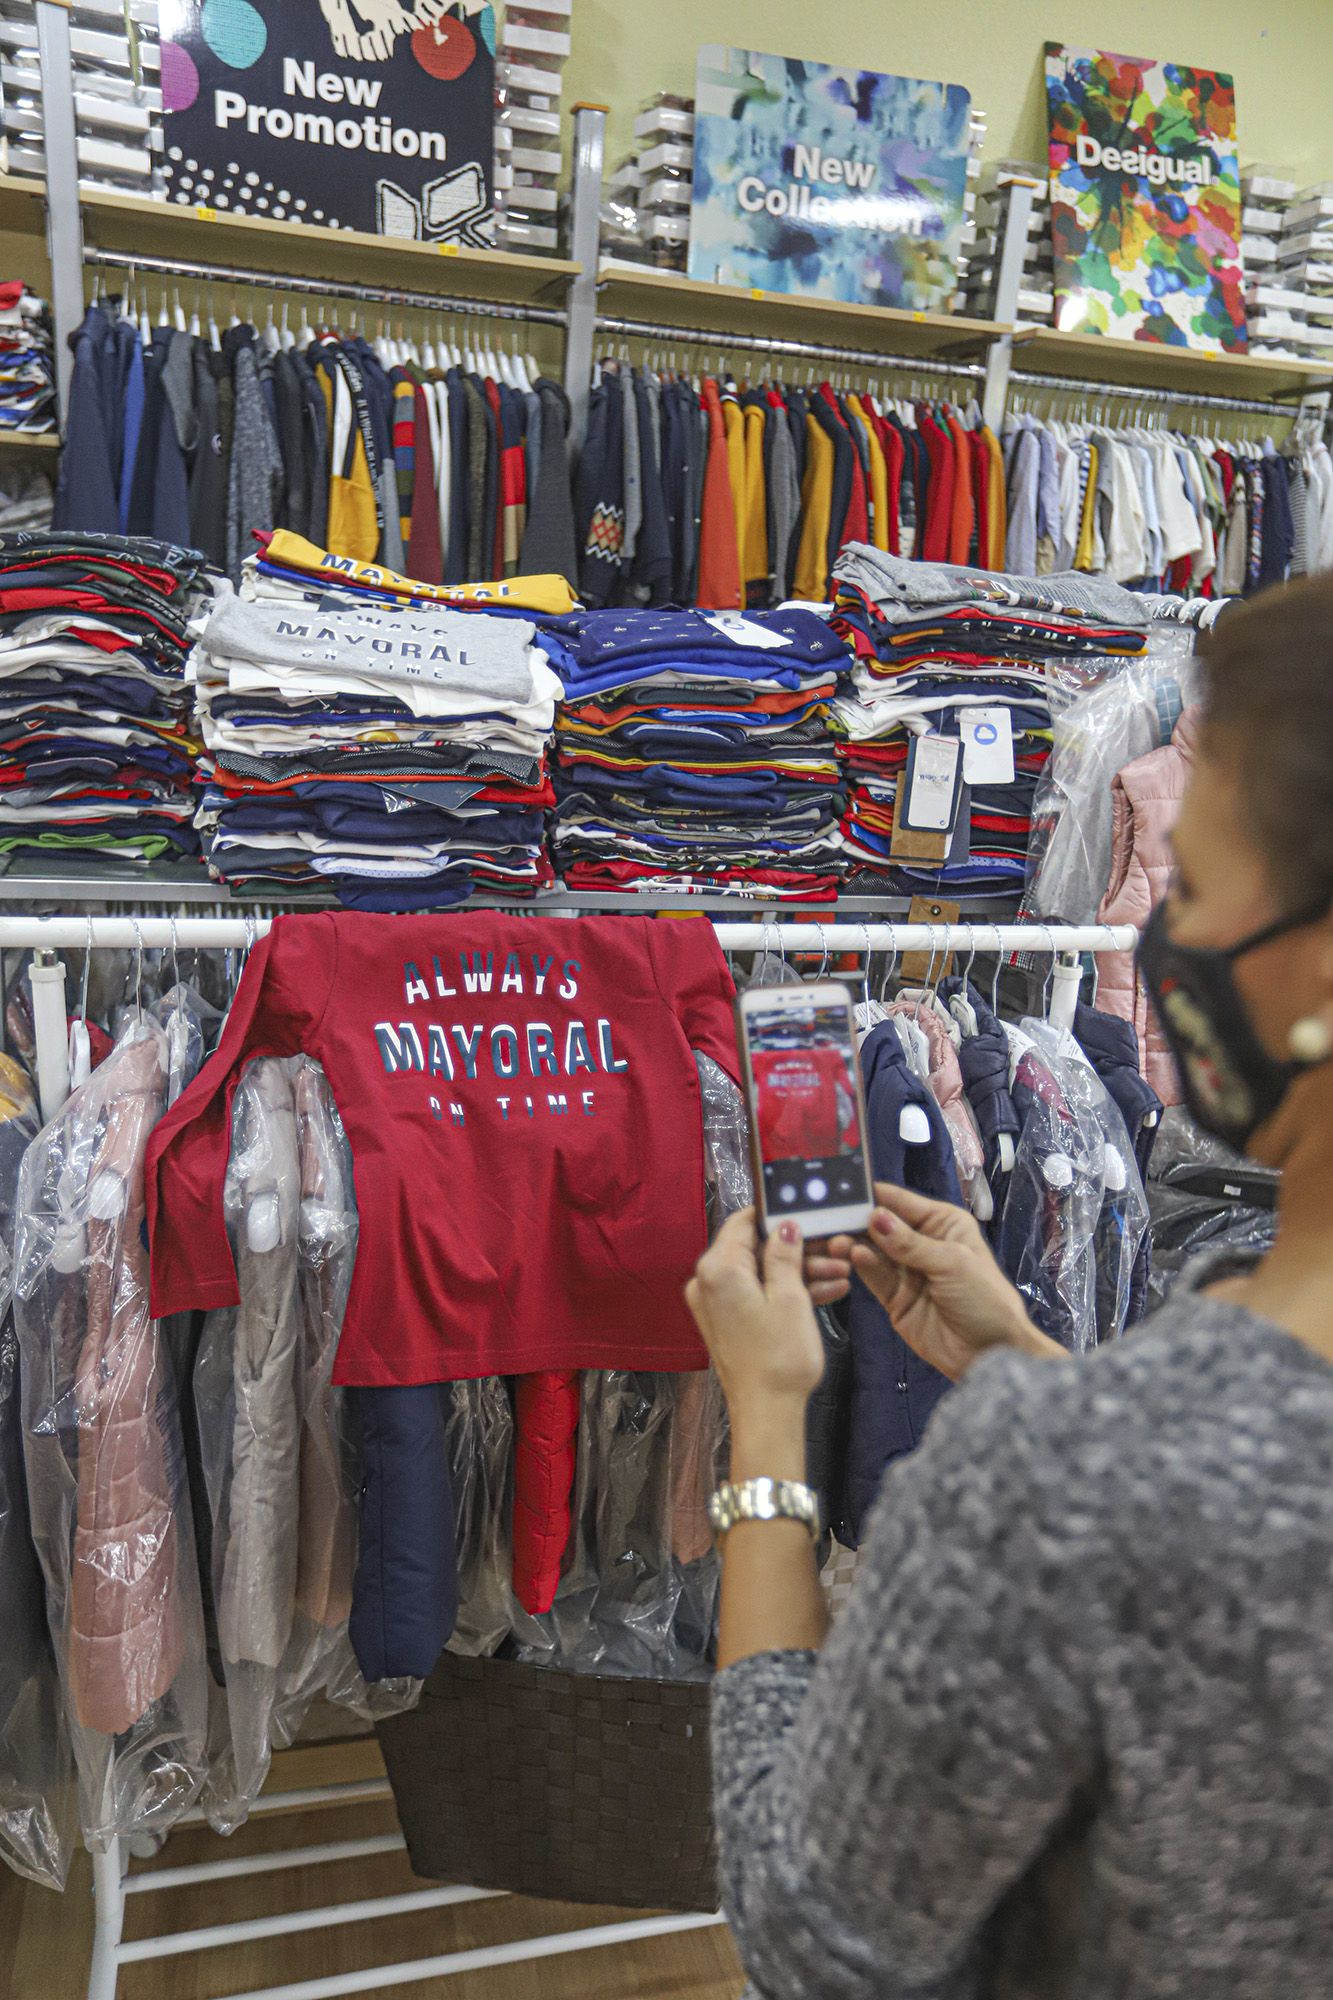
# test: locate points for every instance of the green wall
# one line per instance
(1279, 51)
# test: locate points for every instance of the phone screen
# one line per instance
(807, 1109)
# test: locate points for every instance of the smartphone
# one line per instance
(807, 1108)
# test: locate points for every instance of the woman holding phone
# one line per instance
(1073, 1734)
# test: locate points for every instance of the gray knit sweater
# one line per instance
(1073, 1735)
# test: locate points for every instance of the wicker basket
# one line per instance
(578, 1788)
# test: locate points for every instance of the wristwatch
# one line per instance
(764, 1500)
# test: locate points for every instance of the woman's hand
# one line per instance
(932, 1270)
(754, 1312)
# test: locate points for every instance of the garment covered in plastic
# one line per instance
(1132, 711)
(37, 1802)
(281, 1487)
(1075, 1213)
(103, 1444)
(1205, 1201)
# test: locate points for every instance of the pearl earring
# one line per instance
(1310, 1040)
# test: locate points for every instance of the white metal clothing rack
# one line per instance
(47, 935)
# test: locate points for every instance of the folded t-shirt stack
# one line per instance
(363, 737)
(27, 380)
(694, 753)
(96, 753)
(935, 645)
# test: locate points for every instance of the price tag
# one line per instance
(931, 784)
(207, 214)
(743, 631)
(988, 745)
(755, 292)
(919, 317)
(447, 249)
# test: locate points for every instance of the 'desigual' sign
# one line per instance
(843, 183)
(1145, 200)
(354, 114)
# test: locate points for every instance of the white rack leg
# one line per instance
(108, 1922)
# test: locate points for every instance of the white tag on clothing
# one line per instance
(744, 631)
(934, 783)
(988, 745)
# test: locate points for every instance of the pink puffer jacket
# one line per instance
(1145, 801)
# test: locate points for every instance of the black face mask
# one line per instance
(1232, 1085)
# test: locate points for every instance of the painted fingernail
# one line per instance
(789, 1232)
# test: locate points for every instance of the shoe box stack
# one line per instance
(1036, 296)
(117, 94)
(1290, 292)
(975, 147)
(646, 199)
(534, 46)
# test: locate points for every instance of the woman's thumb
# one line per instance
(784, 1254)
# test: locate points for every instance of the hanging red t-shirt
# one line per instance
(806, 1107)
(524, 1117)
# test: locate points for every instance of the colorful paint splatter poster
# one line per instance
(1145, 200)
(840, 183)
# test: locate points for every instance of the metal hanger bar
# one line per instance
(218, 933)
(1078, 385)
(322, 288)
(805, 350)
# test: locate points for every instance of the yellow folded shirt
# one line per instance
(550, 594)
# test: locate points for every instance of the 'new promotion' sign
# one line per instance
(376, 116)
(837, 182)
(1145, 200)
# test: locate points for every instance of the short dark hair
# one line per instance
(1269, 705)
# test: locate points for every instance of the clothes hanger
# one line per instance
(195, 329)
(80, 1041)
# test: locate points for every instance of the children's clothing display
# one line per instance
(391, 749)
(97, 755)
(694, 751)
(27, 378)
(529, 1054)
(950, 1090)
(456, 469)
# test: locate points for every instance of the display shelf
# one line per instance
(38, 441)
(163, 229)
(23, 204)
(1102, 361)
(190, 886)
(671, 301)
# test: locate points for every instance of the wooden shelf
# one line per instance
(1099, 359)
(29, 440)
(297, 249)
(23, 204)
(672, 301)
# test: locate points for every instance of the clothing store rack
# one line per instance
(800, 350)
(111, 1882)
(1165, 399)
(319, 288)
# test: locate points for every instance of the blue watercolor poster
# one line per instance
(839, 183)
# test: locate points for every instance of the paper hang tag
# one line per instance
(930, 784)
(920, 966)
(926, 806)
(988, 745)
(744, 631)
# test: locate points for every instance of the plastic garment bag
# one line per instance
(1206, 1203)
(280, 1484)
(1133, 710)
(102, 1437)
(37, 1802)
(639, 1590)
(1075, 1213)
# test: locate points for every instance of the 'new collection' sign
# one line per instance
(841, 183)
